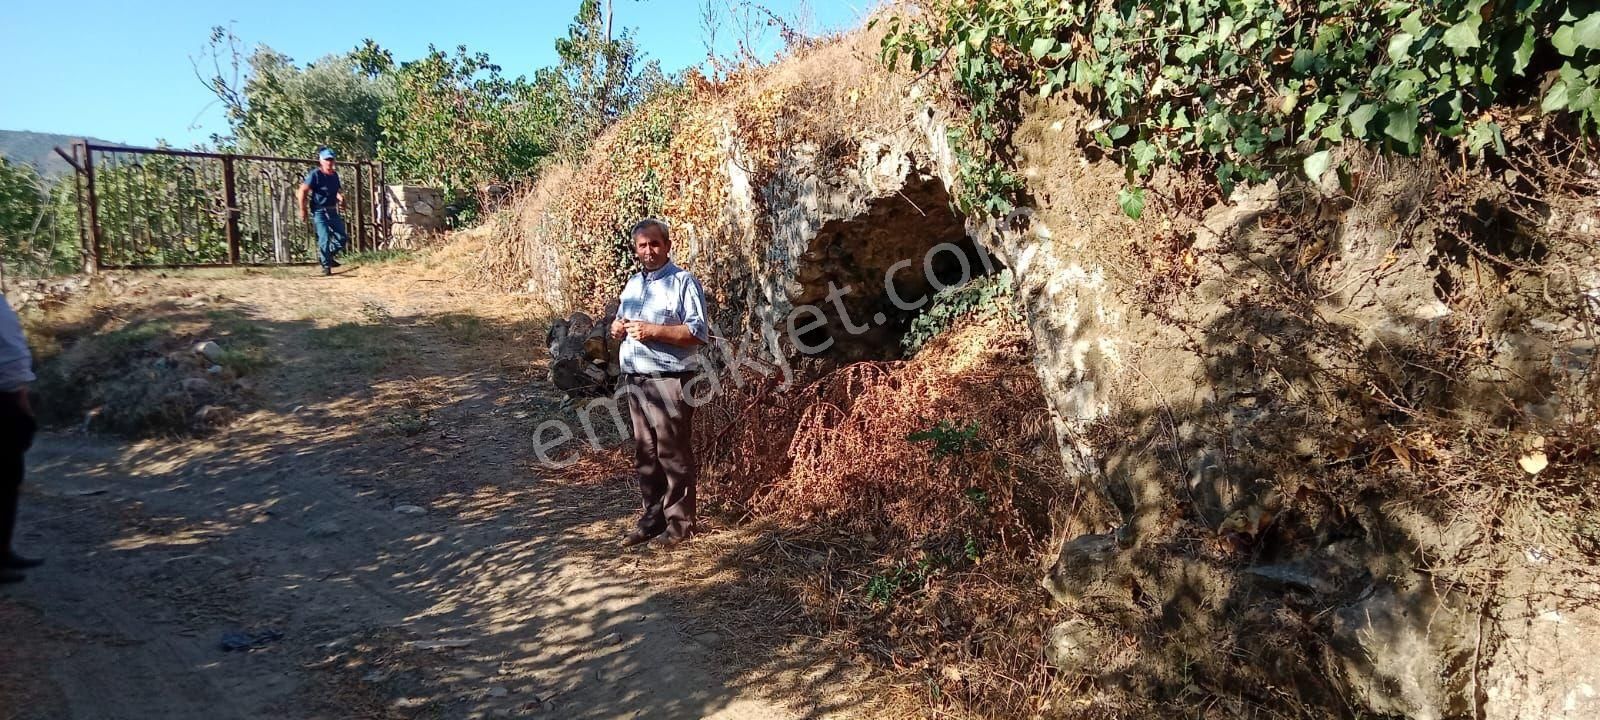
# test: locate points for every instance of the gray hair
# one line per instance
(652, 224)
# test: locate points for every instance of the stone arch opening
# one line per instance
(862, 280)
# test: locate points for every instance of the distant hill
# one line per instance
(38, 150)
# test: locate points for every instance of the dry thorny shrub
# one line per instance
(674, 159)
(930, 537)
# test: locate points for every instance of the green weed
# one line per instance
(948, 439)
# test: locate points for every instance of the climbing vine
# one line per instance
(1247, 88)
(981, 297)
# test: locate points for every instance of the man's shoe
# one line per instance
(326, 271)
(11, 576)
(13, 561)
(334, 264)
(672, 542)
(637, 537)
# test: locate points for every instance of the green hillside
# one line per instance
(37, 149)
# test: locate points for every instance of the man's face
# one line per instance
(651, 251)
(327, 165)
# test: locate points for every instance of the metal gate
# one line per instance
(161, 208)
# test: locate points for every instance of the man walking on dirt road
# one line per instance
(661, 320)
(321, 189)
(16, 435)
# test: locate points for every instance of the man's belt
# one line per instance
(676, 375)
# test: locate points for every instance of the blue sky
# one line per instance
(121, 71)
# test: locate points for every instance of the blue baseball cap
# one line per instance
(326, 154)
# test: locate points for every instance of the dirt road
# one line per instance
(377, 523)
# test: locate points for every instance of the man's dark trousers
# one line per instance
(331, 236)
(663, 453)
(16, 436)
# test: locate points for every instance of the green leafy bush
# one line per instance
(987, 294)
(948, 439)
(38, 222)
(455, 121)
(20, 201)
(1252, 87)
(277, 107)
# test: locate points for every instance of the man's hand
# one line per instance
(678, 334)
(619, 329)
(642, 331)
(304, 216)
(23, 403)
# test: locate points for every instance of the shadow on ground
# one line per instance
(379, 507)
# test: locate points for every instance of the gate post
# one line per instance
(91, 258)
(361, 229)
(384, 225)
(232, 205)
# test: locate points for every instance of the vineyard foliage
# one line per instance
(20, 201)
(1248, 88)
(38, 224)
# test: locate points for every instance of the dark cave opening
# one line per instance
(863, 280)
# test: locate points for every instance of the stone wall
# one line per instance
(415, 214)
(1188, 390)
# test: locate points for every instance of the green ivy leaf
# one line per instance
(1484, 134)
(1315, 113)
(1556, 99)
(1042, 47)
(1412, 23)
(1565, 40)
(1523, 54)
(1463, 36)
(1360, 117)
(1399, 45)
(1144, 155)
(1131, 199)
(1249, 38)
(1587, 31)
(1402, 124)
(1316, 164)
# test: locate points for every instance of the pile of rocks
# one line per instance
(415, 212)
(31, 292)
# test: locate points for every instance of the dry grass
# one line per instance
(956, 440)
(919, 566)
(110, 359)
(677, 159)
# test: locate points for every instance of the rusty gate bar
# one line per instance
(92, 258)
(189, 208)
(381, 197)
(361, 231)
(230, 200)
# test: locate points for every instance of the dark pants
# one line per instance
(331, 235)
(663, 454)
(16, 436)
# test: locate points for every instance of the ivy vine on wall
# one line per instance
(1248, 88)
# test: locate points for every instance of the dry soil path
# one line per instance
(505, 597)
